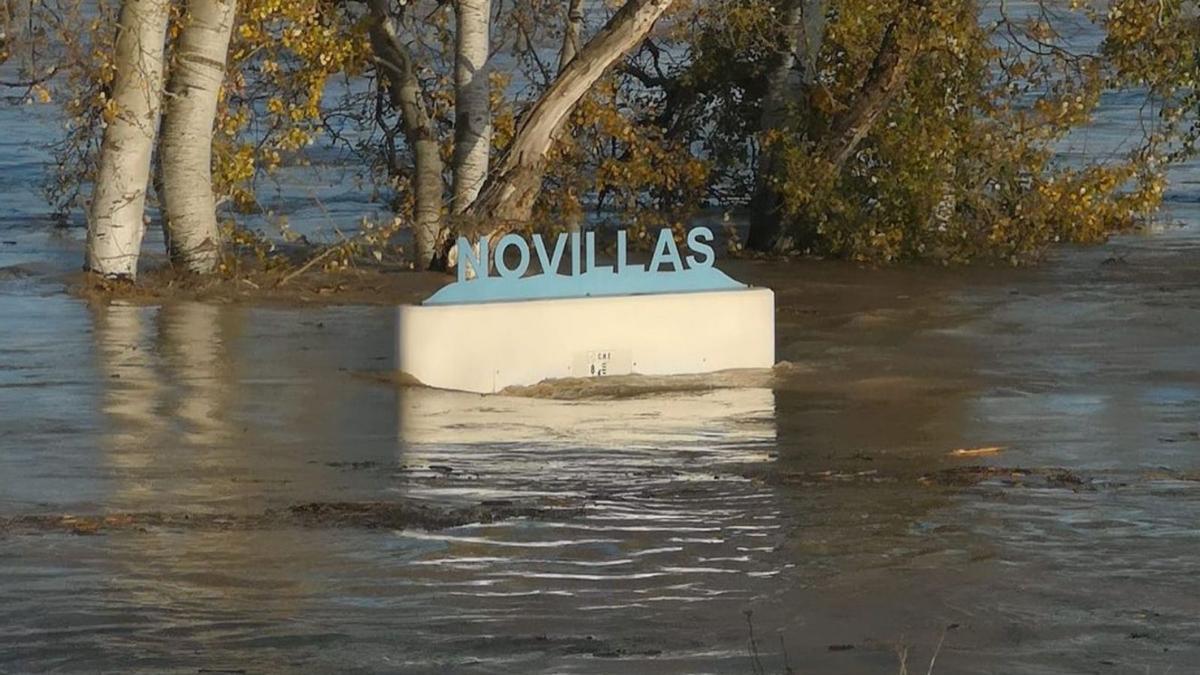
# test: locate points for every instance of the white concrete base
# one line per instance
(486, 347)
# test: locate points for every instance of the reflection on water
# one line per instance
(167, 436)
(123, 341)
(166, 401)
(496, 444)
(192, 341)
(665, 536)
(230, 412)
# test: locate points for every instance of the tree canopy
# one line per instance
(871, 130)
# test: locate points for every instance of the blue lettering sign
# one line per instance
(506, 242)
(698, 241)
(550, 264)
(666, 273)
(665, 251)
(622, 266)
(477, 259)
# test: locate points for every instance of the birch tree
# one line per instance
(396, 65)
(508, 196)
(116, 215)
(677, 128)
(571, 33)
(472, 110)
(193, 240)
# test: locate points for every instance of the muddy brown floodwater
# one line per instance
(220, 487)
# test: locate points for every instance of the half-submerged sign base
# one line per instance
(485, 347)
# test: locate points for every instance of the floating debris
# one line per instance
(977, 452)
(367, 515)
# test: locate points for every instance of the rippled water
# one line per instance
(216, 410)
(819, 498)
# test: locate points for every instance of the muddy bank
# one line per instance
(365, 286)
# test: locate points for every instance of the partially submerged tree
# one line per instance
(116, 216)
(197, 71)
(572, 31)
(791, 77)
(407, 97)
(504, 196)
(922, 129)
(509, 195)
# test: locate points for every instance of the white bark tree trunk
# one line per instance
(115, 223)
(404, 89)
(472, 109)
(571, 32)
(193, 240)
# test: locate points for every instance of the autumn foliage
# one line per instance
(911, 129)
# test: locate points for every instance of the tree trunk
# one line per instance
(404, 89)
(6, 21)
(884, 80)
(570, 47)
(472, 105)
(509, 194)
(571, 33)
(115, 223)
(193, 240)
(790, 82)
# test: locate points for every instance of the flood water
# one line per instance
(223, 488)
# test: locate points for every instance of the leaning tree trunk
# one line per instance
(884, 80)
(115, 222)
(472, 110)
(513, 186)
(396, 66)
(193, 240)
